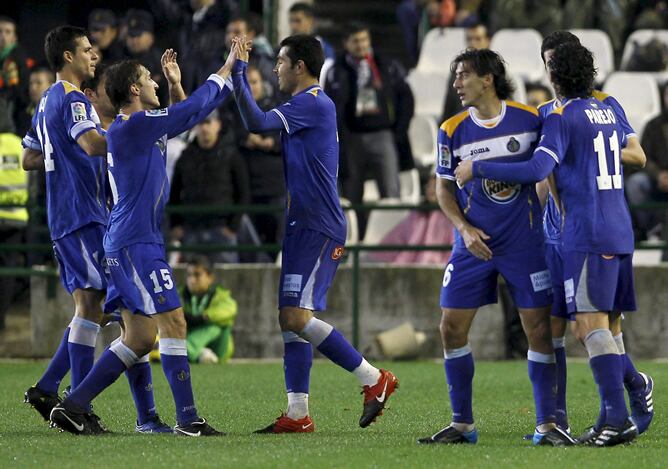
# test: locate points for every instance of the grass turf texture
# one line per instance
(240, 398)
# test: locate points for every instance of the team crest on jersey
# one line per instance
(156, 112)
(513, 145)
(444, 156)
(500, 192)
(337, 253)
(79, 113)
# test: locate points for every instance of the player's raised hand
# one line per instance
(475, 238)
(170, 67)
(464, 172)
(243, 46)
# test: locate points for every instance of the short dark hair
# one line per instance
(120, 76)
(572, 70)
(201, 261)
(487, 62)
(7, 19)
(59, 40)
(42, 68)
(556, 38)
(302, 7)
(306, 48)
(93, 83)
(538, 87)
(354, 27)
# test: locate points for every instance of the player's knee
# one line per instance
(453, 332)
(293, 319)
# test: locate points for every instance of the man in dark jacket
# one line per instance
(210, 171)
(14, 68)
(374, 109)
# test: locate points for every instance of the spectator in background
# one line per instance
(374, 108)
(103, 27)
(198, 30)
(263, 157)
(14, 67)
(542, 15)
(537, 94)
(651, 183)
(140, 45)
(653, 15)
(260, 58)
(209, 310)
(303, 21)
(420, 227)
(477, 37)
(41, 77)
(210, 171)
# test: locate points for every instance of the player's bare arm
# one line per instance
(93, 143)
(172, 72)
(32, 160)
(633, 155)
(474, 238)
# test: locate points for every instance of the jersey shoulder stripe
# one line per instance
(70, 88)
(560, 110)
(524, 107)
(546, 103)
(600, 95)
(450, 125)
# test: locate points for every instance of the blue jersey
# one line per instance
(509, 213)
(75, 182)
(136, 157)
(551, 214)
(311, 151)
(585, 137)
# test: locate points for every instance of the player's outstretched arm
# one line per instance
(32, 160)
(93, 143)
(473, 237)
(172, 72)
(255, 120)
(536, 169)
(633, 155)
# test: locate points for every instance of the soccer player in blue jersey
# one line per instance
(141, 282)
(315, 231)
(639, 385)
(584, 139)
(499, 231)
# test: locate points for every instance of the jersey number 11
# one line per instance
(604, 180)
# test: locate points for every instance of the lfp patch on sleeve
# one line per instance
(79, 113)
(156, 112)
(541, 280)
(292, 283)
(444, 157)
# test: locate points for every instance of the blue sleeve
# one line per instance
(30, 140)
(536, 169)
(622, 120)
(555, 138)
(446, 162)
(176, 119)
(254, 118)
(78, 115)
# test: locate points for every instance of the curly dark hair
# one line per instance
(572, 71)
(487, 62)
(556, 38)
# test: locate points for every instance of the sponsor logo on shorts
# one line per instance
(500, 192)
(569, 290)
(541, 280)
(161, 300)
(110, 262)
(337, 253)
(79, 113)
(292, 283)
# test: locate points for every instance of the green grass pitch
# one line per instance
(241, 397)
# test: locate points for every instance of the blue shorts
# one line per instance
(555, 264)
(79, 254)
(598, 282)
(140, 280)
(309, 262)
(470, 282)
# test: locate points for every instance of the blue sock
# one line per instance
(459, 370)
(560, 362)
(174, 357)
(608, 374)
(543, 376)
(141, 385)
(81, 348)
(331, 344)
(297, 362)
(111, 364)
(633, 382)
(58, 367)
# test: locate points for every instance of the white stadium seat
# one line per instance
(422, 134)
(520, 94)
(638, 94)
(429, 91)
(598, 42)
(353, 235)
(520, 48)
(409, 186)
(439, 47)
(382, 222)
